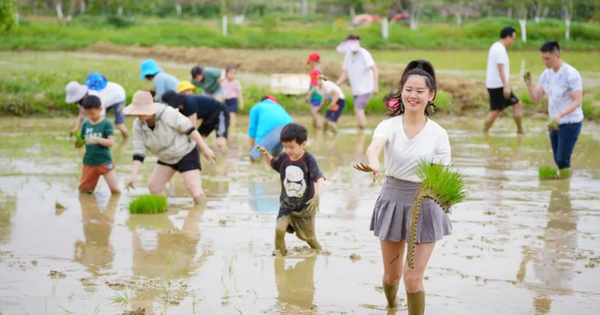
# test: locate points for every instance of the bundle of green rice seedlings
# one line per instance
(552, 125)
(148, 204)
(79, 141)
(442, 183)
(548, 172)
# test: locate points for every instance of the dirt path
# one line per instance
(467, 94)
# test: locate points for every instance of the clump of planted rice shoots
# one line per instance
(548, 172)
(79, 141)
(148, 204)
(442, 183)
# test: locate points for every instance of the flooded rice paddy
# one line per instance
(519, 246)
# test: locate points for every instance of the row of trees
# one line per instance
(533, 9)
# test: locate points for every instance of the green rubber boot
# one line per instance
(416, 303)
(390, 294)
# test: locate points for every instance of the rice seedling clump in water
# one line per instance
(548, 172)
(148, 204)
(444, 185)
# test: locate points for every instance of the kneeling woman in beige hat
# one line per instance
(172, 138)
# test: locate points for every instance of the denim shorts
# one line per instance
(118, 107)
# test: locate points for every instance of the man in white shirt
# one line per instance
(563, 85)
(496, 81)
(359, 68)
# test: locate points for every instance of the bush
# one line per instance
(119, 21)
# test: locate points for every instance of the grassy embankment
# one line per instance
(38, 87)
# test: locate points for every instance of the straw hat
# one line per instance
(75, 92)
(141, 104)
(185, 86)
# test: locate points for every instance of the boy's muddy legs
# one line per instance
(314, 244)
(416, 303)
(112, 181)
(280, 230)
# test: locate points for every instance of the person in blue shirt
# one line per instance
(267, 118)
(162, 81)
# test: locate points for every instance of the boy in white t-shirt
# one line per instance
(359, 68)
(337, 100)
(497, 76)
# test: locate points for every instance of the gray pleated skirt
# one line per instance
(391, 215)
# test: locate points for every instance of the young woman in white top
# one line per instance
(407, 138)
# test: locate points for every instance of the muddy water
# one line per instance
(519, 246)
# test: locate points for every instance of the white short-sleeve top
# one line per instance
(402, 154)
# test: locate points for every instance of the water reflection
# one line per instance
(164, 254)
(263, 197)
(553, 264)
(95, 252)
(295, 283)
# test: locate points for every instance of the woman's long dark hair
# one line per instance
(419, 67)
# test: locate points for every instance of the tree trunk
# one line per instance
(385, 31)
(59, 11)
(305, 7)
(225, 25)
(72, 7)
(523, 23)
(414, 15)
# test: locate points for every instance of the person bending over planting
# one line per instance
(214, 114)
(301, 188)
(335, 96)
(172, 138)
(161, 80)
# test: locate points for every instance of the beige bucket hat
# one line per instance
(141, 104)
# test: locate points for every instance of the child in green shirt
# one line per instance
(99, 136)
